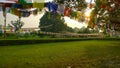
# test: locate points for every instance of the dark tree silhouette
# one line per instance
(53, 23)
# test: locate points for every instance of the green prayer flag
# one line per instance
(38, 5)
(22, 1)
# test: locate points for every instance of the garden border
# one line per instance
(10, 42)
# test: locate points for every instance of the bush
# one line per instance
(11, 35)
(36, 41)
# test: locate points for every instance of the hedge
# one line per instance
(7, 42)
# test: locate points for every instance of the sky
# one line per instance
(89, 1)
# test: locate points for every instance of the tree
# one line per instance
(16, 24)
(52, 23)
(77, 4)
(106, 10)
(22, 1)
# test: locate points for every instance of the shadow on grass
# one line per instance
(103, 56)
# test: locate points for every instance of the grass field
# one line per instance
(77, 54)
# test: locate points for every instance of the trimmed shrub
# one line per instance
(38, 41)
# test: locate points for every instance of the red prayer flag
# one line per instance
(67, 12)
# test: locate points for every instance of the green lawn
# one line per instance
(77, 54)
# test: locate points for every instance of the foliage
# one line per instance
(106, 10)
(77, 4)
(16, 24)
(84, 30)
(69, 29)
(53, 23)
(22, 1)
(25, 41)
(35, 41)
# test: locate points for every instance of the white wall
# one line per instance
(29, 22)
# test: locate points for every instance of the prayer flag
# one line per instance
(52, 7)
(60, 9)
(38, 5)
(67, 12)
